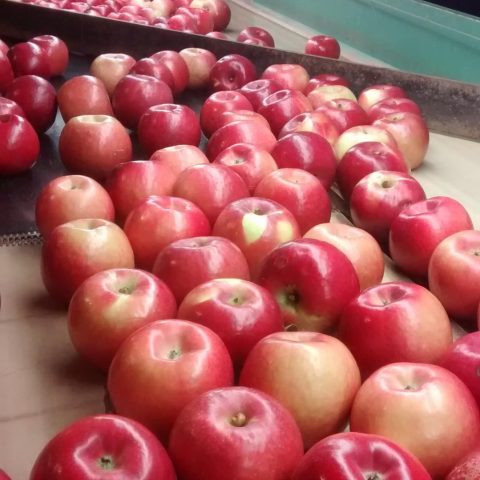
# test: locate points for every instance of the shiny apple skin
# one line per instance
(388, 106)
(177, 66)
(395, 322)
(232, 72)
(167, 125)
(94, 145)
(110, 68)
(258, 90)
(38, 99)
(206, 441)
(358, 456)
(241, 131)
(28, 58)
(376, 93)
(240, 312)
(325, 79)
(71, 197)
(77, 250)
(6, 73)
(420, 227)
(199, 64)
(343, 113)
(256, 226)
(256, 33)
(153, 68)
(175, 361)
(312, 282)
(300, 192)
(468, 468)
(83, 95)
(19, 145)
(433, 400)
(160, 220)
(77, 452)
(289, 76)
(379, 197)
(282, 106)
(203, 19)
(219, 9)
(364, 158)
(56, 51)
(111, 305)
(135, 94)
(323, 46)
(248, 161)
(296, 368)
(10, 107)
(454, 273)
(218, 103)
(309, 151)
(359, 246)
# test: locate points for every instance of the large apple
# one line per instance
(297, 369)
(162, 367)
(28, 58)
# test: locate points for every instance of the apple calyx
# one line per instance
(387, 183)
(373, 476)
(236, 301)
(174, 354)
(238, 420)
(106, 462)
(126, 290)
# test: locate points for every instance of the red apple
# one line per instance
(78, 249)
(167, 125)
(323, 46)
(71, 197)
(379, 197)
(420, 227)
(325, 79)
(297, 368)
(350, 455)
(428, 398)
(343, 113)
(232, 72)
(256, 226)
(111, 305)
(468, 468)
(158, 221)
(10, 107)
(326, 93)
(411, 134)
(241, 115)
(37, 98)
(219, 10)
(56, 52)
(110, 68)
(371, 95)
(359, 247)
(6, 73)
(103, 446)
(312, 282)
(178, 158)
(177, 66)
(300, 192)
(364, 158)
(153, 68)
(186, 263)
(250, 162)
(203, 19)
(289, 76)
(175, 361)
(258, 90)
(199, 63)
(135, 94)
(28, 58)
(256, 33)
(454, 273)
(388, 106)
(83, 95)
(240, 312)
(94, 144)
(309, 151)
(236, 430)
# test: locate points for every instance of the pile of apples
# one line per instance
(239, 330)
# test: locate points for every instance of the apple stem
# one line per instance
(238, 420)
(106, 463)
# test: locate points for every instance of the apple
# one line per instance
(325, 79)
(177, 66)
(312, 282)
(297, 369)
(358, 246)
(240, 115)
(186, 263)
(167, 125)
(375, 93)
(203, 19)
(162, 367)
(199, 64)
(135, 94)
(258, 90)
(83, 95)
(256, 33)
(453, 274)
(309, 151)
(37, 98)
(111, 305)
(420, 227)
(6, 73)
(343, 113)
(218, 103)
(158, 221)
(411, 134)
(28, 58)
(93, 145)
(232, 72)
(240, 312)
(140, 12)
(467, 468)
(326, 93)
(68, 198)
(182, 23)
(428, 398)
(10, 107)
(323, 46)
(236, 430)
(218, 35)
(300, 192)
(178, 158)
(379, 197)
(153, 68)
(289, 76)
(250, 162)
(350, 455)
(256, 226)
(388, 106)
(364, 158)
(219, 9)
(56, 52)
(161, 8)
(103, 446)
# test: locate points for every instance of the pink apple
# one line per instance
(289, 76)
(258, 90)
(219, 9)
(199, 63)
(325, 79)
(153, 68)
(323, 46)
(375, 93)
(388, 106)
(326, 93)
(232, 72)
(343, 113)
(28, 58)
(256, 33)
